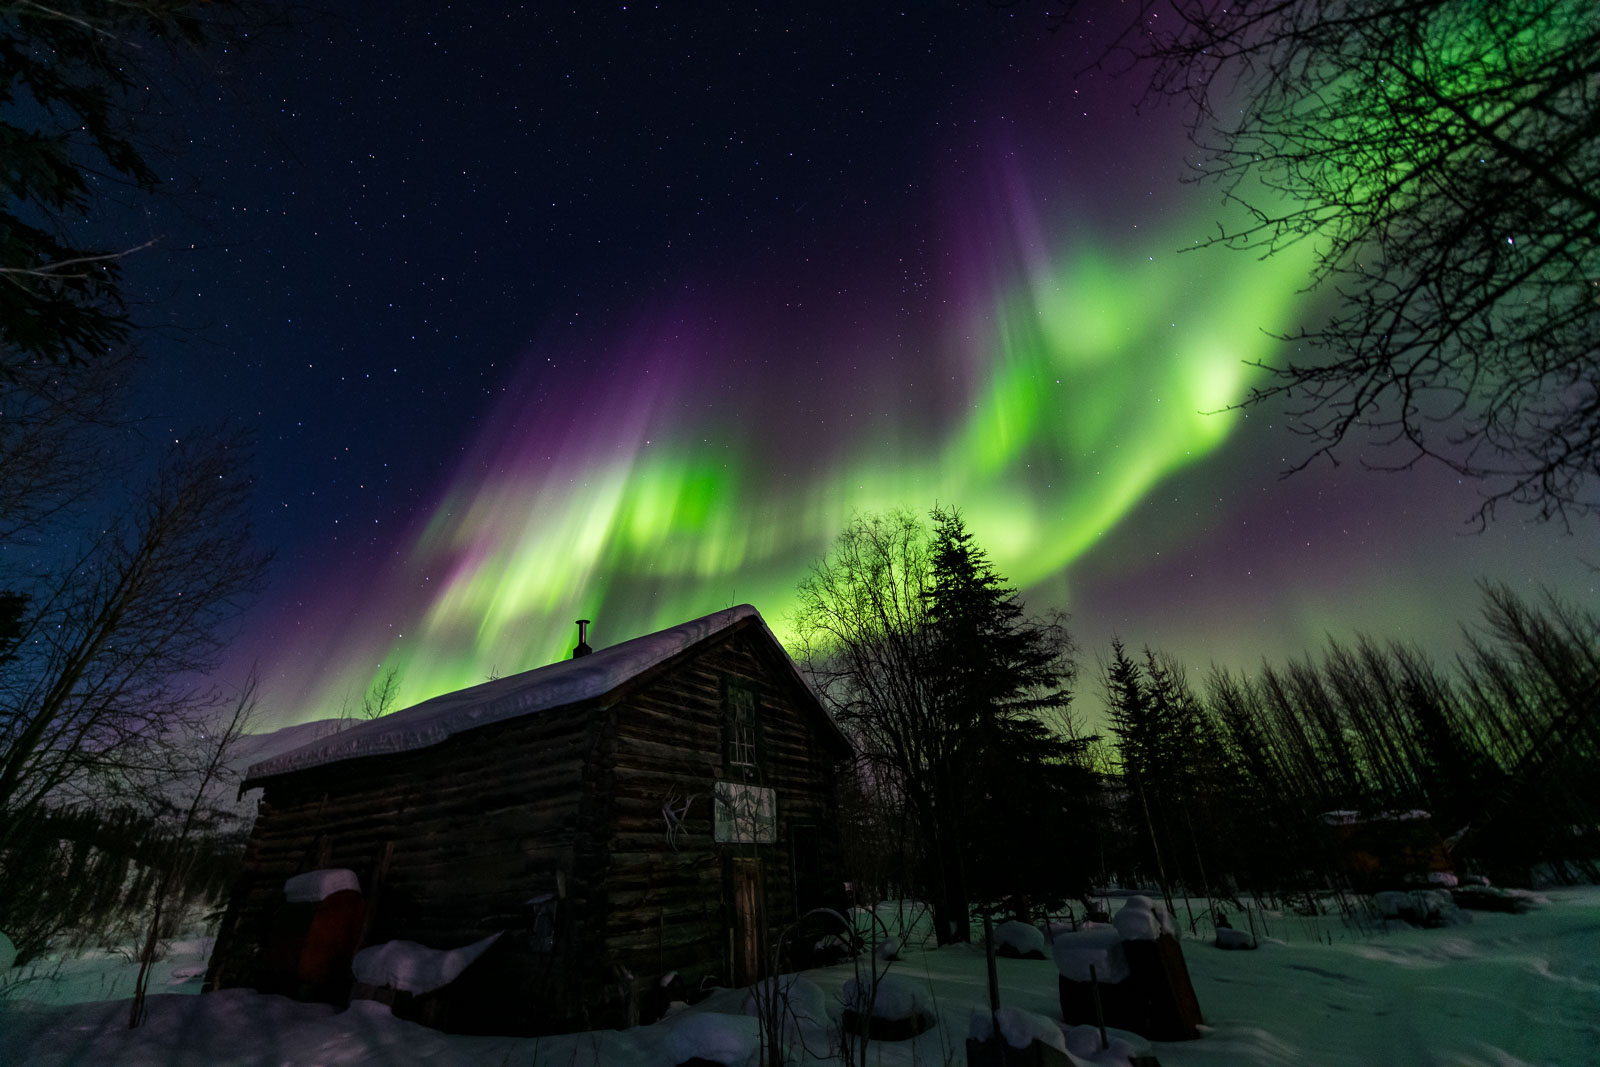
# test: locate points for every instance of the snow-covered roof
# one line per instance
(552, 686)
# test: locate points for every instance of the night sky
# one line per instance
(621, 312)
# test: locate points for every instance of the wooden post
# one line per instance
(1099, 1013)
(994, 979)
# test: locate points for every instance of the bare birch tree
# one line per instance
(1443, 156)
(109, 651)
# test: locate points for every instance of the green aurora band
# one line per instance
(1095, 372)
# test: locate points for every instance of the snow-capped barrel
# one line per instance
(1138, 965)
(1158, 979)
(1090, 956)
(314, 935)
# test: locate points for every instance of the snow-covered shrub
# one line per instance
(1018, 1028)
(1227, 937)
(1420, 907)
(895, 998)
(1022, 939)
(732, 1040)
(1390, 903)
(798, 998)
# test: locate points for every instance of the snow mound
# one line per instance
(1094, 945)
(1424, 907)
(798, 998)
(1391, 902)
(1022, 938)
(414, 968)
(1018, 1028)
(833, 943)
(1142, 920)
(313, 886)
(888, 949)
(1228, 937)
(552, 686)
(896, 999)
(733, 1040)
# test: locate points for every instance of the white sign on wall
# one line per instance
(745, 814)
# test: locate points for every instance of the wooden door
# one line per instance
(747, 921)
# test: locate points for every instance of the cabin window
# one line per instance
(741, 728)
(745, 814)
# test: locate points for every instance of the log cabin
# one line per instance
(662, 806)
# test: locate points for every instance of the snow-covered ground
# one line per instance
(1504, 991)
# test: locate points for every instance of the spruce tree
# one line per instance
(1133, 721)
(995, 665)
(1026, 797)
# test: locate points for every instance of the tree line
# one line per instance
(978, 788)
(1239, 783)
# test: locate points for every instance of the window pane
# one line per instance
(741, 728)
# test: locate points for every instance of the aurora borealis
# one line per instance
(1074, 396)
(744, 275)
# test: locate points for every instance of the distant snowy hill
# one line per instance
(252, 749)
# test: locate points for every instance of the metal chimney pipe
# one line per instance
(583, 648)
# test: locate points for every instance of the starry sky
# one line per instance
(620, 311)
